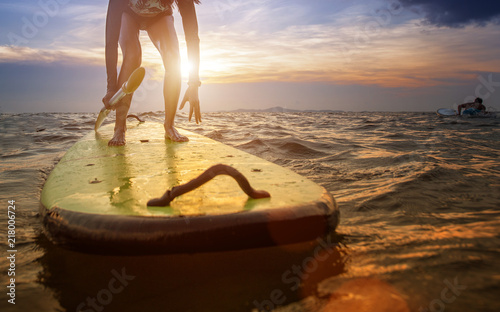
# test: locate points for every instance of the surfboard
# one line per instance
(446, 112)
(96, 198)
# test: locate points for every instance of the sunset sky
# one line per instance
(352, 55)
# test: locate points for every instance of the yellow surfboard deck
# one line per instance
(96, 197)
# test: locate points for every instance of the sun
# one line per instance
(186, 68)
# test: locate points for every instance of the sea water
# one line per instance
(419, 198)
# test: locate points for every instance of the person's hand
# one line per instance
(106, 98)
(191, 96)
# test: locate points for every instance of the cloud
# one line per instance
(344, 42)
(344, 53)
(456, 13)
(26, 55)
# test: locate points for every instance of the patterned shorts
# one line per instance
(145, 22)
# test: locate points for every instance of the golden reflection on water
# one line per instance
(366, 295)
(384, 235)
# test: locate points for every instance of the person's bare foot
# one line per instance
(118, 138)
(172, 134)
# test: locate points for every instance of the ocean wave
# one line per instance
(409, 186)
(289, 148)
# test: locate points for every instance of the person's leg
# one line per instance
(162, 34)
(131, 50)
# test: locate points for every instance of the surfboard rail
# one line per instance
(138, 235)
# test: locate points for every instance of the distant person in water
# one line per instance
(124, 21)
(473, 108)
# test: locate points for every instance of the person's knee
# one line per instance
(171, 60)
(132, 53)
(173, 70)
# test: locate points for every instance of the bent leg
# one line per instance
(131, 50)
(162, 34)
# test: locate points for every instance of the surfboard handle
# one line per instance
(203, 178)
(135, 116)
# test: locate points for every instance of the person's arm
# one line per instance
(113, 24)
(460, 107)
(190, 26)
